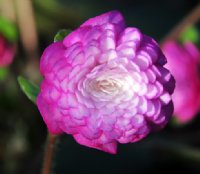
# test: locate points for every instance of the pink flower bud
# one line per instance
(6, 52)
(104, 84)
(183, 62)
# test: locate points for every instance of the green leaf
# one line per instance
(61, 34)
(190, 34)
(8, 30)
(29, 89)
(3, 73)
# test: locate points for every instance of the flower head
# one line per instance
(183, 62)
(6, 52)
(105, 83)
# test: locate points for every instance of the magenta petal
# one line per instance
(51, 56)
(183, 62)
(7, 51)
(108, 147)
(192, 50)
(47, 112)
(113, 17)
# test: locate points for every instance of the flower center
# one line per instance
(108, 86)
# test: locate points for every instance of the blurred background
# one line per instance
(32, 27)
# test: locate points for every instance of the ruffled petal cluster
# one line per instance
(183, 62)
(104, 84)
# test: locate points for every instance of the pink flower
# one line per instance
(184, 61)
(104, 84)
(6, 52)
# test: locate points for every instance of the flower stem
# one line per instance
(49, 153)
(27, 27)
(29, 37)
(179, 149)
(189, 20)
(7, 10)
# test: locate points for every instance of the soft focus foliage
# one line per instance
(61, 35)
(191, 34)
(28, 88)
(8, 30)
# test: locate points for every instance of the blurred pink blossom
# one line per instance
(7, 51)
(105, 83)
(184, 63)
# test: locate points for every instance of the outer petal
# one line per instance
(48, 114)
(107, 147)
(114, 17)
(51, 55)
